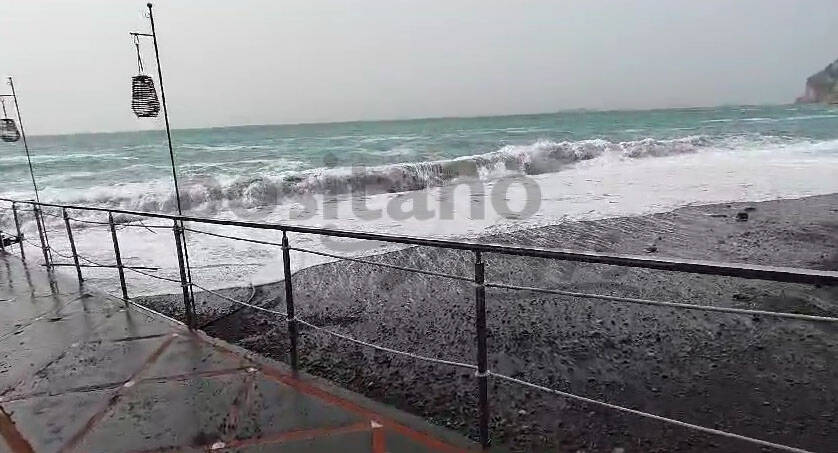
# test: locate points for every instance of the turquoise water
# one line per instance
(579, 166)
(131, 169)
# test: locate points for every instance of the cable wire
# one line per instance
(92, 222)
(32, 243)
(51, 215)
(357, 260)
(122, 225)
(230, 299)
(741, 311)
(130, 268)
(235, 238)
(213, 321)
(342, 336)
(135, 304)
(386, 349)
(159, 277)
(717, 432)
(391, 266)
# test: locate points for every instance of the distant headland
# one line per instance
(822, 87)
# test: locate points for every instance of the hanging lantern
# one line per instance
(8, 130)
(144, 97)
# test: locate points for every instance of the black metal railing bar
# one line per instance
(750, 271)
(711, 308)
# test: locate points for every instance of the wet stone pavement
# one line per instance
(81, 372)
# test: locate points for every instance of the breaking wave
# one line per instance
(257, 190)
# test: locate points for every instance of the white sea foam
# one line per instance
(772, 120)
(276, 182)
(585, 179)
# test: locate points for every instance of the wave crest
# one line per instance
(541, 157)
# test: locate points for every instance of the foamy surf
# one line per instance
(540, 157)
(582, 165)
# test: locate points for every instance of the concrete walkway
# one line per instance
(81, 372)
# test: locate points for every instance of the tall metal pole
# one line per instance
(48, 252)
(171, 148)
(25, 144)
(165, 111)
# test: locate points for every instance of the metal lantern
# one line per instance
(144, 97)
(8, 130)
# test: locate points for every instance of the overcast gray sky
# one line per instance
(284, 61)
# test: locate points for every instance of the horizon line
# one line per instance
(421, 118)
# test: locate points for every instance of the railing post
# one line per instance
(46, 236)
(289, 300)
(44, 247)
(2, 244)
(72, 244)
(118, 258)
(17, 228)
(187, 300)
(482, 373)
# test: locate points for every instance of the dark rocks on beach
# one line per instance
(711, 369)
(742, 216)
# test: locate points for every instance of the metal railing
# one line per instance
(481, 369)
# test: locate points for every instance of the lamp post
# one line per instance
(153, 36)
(43, 233)
(13, 95)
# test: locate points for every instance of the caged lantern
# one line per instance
(144, 100)
(8, 128)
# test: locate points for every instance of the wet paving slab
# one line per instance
(82, 372)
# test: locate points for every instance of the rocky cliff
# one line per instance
(822, 86)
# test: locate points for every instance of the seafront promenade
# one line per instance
(81, 371)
